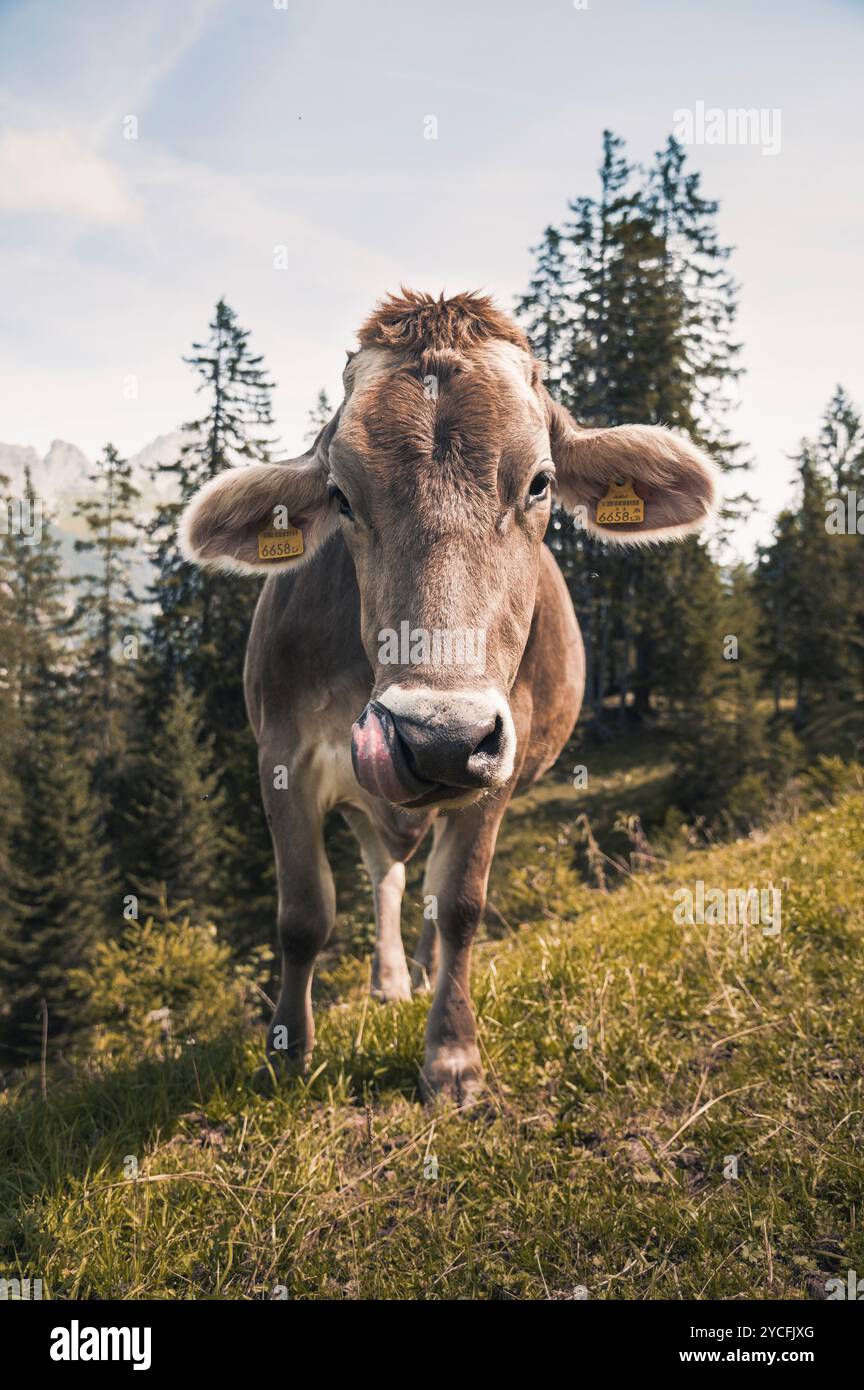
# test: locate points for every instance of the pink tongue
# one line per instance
(379, 763)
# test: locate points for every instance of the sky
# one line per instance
(281, 158)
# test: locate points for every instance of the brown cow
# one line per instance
(420, 661)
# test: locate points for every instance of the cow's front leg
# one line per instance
(457, 876)
(307, 910)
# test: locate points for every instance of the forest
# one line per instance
(134, 857)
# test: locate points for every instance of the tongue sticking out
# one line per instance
(379, 759)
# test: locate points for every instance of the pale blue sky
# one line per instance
(304, 127)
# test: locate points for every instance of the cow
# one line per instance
(417, 516)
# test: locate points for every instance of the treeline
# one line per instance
(751, 670)
(128, 773)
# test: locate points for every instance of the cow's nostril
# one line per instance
(490, 745)
(450, 751)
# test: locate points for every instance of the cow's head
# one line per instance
(439, 472)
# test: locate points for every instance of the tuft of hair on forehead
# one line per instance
(418, 323)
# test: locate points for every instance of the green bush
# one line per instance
(165, 983)
(833, 777)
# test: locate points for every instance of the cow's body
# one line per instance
(307, 678)
(422, 504)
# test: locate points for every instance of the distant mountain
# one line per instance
(60, 480)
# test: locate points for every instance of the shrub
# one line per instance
(165, 983)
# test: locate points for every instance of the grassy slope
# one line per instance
(600, 1167)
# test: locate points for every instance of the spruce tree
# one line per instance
(200, 616)
(697, 366)
(37, 604)
(60, 885)
(732, 759)
(179, 815)
(201, 620)
(57, 880)
(10, 743)
(839, 447)
(649, 318)
(811, 611)
(320, 415)
(107, 610)
(545, 309)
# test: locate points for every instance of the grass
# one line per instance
(606, 1168)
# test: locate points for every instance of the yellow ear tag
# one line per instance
(280, 543)
(620, 504)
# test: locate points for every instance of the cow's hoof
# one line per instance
(453, 1076)
(391, 991)
(420, 982)
(277, 1068)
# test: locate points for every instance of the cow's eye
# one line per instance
(539, 486)
(342, 501)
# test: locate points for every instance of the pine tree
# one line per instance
(179, 818)
(37, 601)
(811, 610)
(201, 616)
(693, 368)
(106, 611)
(10, 743)
(649, 318)
(697, 368)
(319, 416)
(732, 760)
(545, 309)
(202, 620)
(616, 253)
(57, 880)
(839, 451)
(60, 886)
(613, 254)
(839, 448)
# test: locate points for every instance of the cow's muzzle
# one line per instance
(420, 749)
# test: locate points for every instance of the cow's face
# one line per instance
(439, 472)
(442, 475)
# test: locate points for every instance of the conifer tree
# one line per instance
(650, 310)
(10, 743)
(60, 885)
(545, 308)
(106, 610)
(57, 881)
(839, 447)
(320, 415)
(697, 367)
(839, 450)
(201, 616)
(811, 610)
(731, 759)
(37, 602)
(201, 619)
(178, 815)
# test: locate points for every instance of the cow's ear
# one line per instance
(259, 518)
(262, 517)
(672, 485)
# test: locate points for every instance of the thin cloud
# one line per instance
(52, 172)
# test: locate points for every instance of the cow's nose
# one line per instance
(460, 754)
